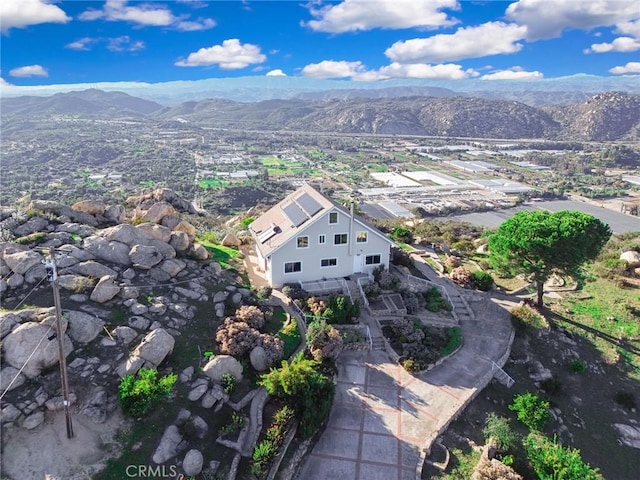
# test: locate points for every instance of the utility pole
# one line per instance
(52, 276)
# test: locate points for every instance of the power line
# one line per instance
(25, 363)
(30, 292)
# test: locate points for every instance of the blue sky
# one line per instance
(68, 42)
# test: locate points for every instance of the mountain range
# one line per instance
(409, 111)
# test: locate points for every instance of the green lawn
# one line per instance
(225, 256)
(271, 161)
(212, 183)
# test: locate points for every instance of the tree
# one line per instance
(540, 243)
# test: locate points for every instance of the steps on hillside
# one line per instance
(377, 343)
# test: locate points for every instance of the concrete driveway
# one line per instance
(384, 420)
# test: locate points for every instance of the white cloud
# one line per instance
(448, 71)
(82, 43)
(513, 73)
(276, 73)
(548, 18)
(145, 14)
(467, 42)
(333, 69)
(124, 44)
(358, 72)
(22, 13)
(354, 15)
(29, 71)
(4, 83)
(629, 68)
(629, 43)
(620, 44)
(231, 55)
(195, 25)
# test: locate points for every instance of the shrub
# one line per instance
(273, 348)
(482, 280)
(290, 336)
(246, 221)
(237, 422)
(434, 300)
(551, 461)
(323, 340)
(454, 335)
(531, 410)
(139, 394)
(524, 317)
(452, 262)
(251, 315)
(413, 365)
(264, 292)
(498, 429)
(236, 338)
(493, 470)
(626, 399)
(402, 234)
(372, 290)
(294, 291)
(401, 258)
(302, 385)
(461, 276)
(387, 280)
(228, 383)
(577, 366)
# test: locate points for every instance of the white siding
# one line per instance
(311, 257)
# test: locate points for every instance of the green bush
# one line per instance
(499, 430)
(290, 335)
(265, 451)
(454, 335)
(577, 366)
(434, 300)
(139, 394)
(524, 317)
(264, 292)
(301, 384)
(531, 409)
(228, 383)
(551, 461)
(482, 280)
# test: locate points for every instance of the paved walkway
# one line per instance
(384, 420)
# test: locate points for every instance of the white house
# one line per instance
(307, 237)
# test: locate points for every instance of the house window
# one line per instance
(333, 218)
(328, 262)
(372, 260)
(303, 242)
(340, 238)
(292, 267)
(361, 237)
(321, 239)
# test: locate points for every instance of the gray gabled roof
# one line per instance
(292, 215)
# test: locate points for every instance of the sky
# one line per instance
(45, 42)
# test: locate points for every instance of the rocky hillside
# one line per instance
(607, 116)
(134, 285)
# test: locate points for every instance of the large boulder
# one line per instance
(111, 251)
(28, 338)
(83, 327)
(172, 266)
(93, 269)
(180, 241)
(220, 365)
(157, 212)
(79, 254)
(168, 446)
(130, 235)
(169, 196)
(74, 283)
(258, 358)
(92, 207)
(105, 290)
(8, 320)
(159, 232)
(10, 378)
(20, 262)
(198, 252)
(192, 463)
(33, 225)
(145, 256)
(115, 213)
(155, 346)
(178, 225)
(631, 257)
(629, 435)
(230, 240)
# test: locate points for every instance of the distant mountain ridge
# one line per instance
(88, 102)
(605, 116)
